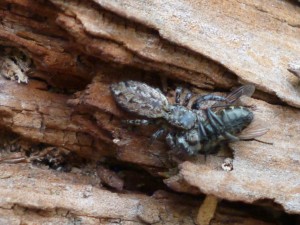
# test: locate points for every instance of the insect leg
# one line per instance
(210, 97)
(170, 141)
(138, 122)
(218, 125)
(157, 134)
(178, 93)
(231, 137)
(215, 121)
(187, 98)
(202, 131)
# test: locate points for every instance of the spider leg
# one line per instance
(170, 141)
(187, 98)
(210, 97)
(178, 93)
(210, 147)
(138, 122)
(157, 134)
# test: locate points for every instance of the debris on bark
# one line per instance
(207, 210)
(14, 65)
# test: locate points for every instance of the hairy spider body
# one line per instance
(143, 100)
(187, 130)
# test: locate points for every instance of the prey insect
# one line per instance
(187, 129)
(207, 137)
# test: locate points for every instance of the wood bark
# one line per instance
(57, 61)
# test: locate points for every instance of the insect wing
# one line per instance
(139, 98)
(234, 96)
(253, 131)
(245, 90)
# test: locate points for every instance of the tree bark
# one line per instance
(57, 62)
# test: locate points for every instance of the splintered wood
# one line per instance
(139, 46)
(244, 36)
(64, 198)
(57, 62)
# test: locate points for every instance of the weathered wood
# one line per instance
(253, 161)
(41, 116)
(107, 36)
(77, 197)
(34, 195)
(82, 47)
(244, 36)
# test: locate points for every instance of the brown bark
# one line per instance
(72, 51)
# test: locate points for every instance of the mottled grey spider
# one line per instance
(187, 129)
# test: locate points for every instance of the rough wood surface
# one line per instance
(74, 50)
(260, 170)
(41, 116)
(257, 166)
(66, 198)
(245, 36)
(140, 46)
